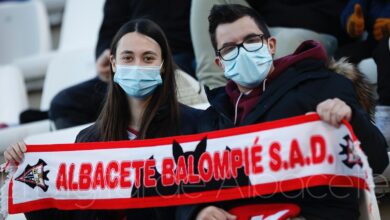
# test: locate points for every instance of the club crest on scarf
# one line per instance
(35, 175)
(349, 150)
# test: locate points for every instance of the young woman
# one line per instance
(141, 103)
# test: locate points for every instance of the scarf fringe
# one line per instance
(9, 169)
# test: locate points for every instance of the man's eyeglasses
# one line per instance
(251, 44)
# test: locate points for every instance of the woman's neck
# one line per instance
(137, 108)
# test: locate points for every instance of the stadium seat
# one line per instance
(13, 95)
(80, 24)
(55, 9)
(368, 68)
(24, 30)
(65, 69)
(79, 30)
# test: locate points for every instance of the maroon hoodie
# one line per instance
(307, 50)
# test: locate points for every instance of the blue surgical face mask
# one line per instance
(138, 81)
(249, 69)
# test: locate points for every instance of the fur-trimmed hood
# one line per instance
(364, 90)
(311, 49)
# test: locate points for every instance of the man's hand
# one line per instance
(214, 213)
(103, 66)
(381, 28)
(15, 152)
(355, 22)
(333, 111)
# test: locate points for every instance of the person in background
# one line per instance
(381, 56)
(373, 18)
(141, 104)
(261, 89)
(81, 103)
(290, 22)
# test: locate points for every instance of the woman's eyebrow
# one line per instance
(127, 52)
(150, 52)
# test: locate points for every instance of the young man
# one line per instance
(261, 89)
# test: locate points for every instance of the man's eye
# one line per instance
(253, 40)
(227, 50)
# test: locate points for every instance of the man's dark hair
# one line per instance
(229, 13)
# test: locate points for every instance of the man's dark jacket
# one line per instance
(297, 85)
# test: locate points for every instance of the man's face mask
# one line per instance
(138, 81)
(250, 67)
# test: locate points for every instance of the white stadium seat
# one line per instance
(79, 30)
(369, 69)
(13, 95)
(67, 69)
(24, 30)
(80, 24)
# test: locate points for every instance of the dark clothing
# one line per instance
(188, 119)
(324, 14)
(296, 91)
(381, 56)
(360, 50)
(372, 10)
(380, 51)
(79, 104)
(357, 51)
(171, 15)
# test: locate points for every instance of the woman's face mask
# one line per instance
(138, 81)
(249, 69)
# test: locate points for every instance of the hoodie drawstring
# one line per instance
(236, 108)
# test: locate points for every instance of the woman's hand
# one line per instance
(333, 111)
(15, 152)
(214, 213)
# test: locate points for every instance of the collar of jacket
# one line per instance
(305, 70)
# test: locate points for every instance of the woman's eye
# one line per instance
(148, 59)
(127, 58)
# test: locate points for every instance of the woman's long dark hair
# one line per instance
(114, 118)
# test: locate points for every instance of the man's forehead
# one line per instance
(236, 31)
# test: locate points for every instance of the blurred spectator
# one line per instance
(382, 115)
(80, 104)
(371, 17)
(360, 16)
(291, 22)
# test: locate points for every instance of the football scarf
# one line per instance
(261, 159)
